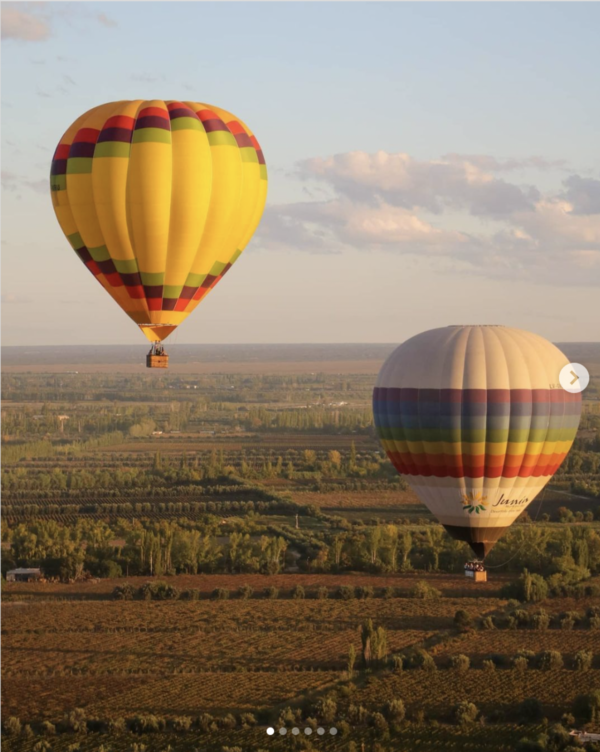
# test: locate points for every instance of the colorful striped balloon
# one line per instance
(158, 199)
(476, 419)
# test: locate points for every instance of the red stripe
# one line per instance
(93, 267)
(207, 115)
(87, 135)
(136, 292)
(62, 151)
(491, 466)
(120, 121)
(154, 304)
(235, 127)
(153, 111)
(181, 304)
(114, 279)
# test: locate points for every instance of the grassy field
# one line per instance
(304, 584)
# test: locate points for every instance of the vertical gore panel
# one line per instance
(191, 193)
(149, 185)
(225, 196)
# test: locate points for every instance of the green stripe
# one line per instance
(172, 291)
(222, 138)
(75, 240)
(112, 149)
(195, 280)
(235, 256)
(58, 183)
(129, 266)
(79, 165)
(186, 124)
(217, 268)
(475, 436)
(154, 135)
(249, 154)
(153, 278)
(100, 254)
(263, 172)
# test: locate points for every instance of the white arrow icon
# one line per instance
(574, 378)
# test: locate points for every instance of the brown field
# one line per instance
(441, 690)
(172, 695)
(390, 500)
(101, 589)
(181, 657)
(509, 642)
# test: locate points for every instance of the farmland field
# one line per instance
(225, 546)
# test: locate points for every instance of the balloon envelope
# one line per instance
(475, 418)
(158, 199)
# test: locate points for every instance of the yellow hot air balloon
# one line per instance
(475, 419)
(158, 199)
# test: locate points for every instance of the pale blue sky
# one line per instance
(357, 248)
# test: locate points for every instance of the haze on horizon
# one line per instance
(429, 164)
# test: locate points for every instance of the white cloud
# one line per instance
(449, 183)
(32, 21)
(583, 194)
(22, 25)
(454, 208)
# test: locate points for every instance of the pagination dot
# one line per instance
(283, 731)
(270, 731)
(295, 731)
(333, 731)
(320, 731)
(308, 731)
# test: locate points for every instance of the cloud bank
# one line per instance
(32, 21)
(460, 208)
(24, 26)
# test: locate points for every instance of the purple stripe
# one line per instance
(59, 167)
(153, 291)
(82, 149)
(214, 125)
(84, 254)
(153, 121)
(471, 396)
(132, 279)
(208, 281)
(182, 112)
(243, 140)
(107, 267)
(188, 292)
(169, 304)
(116, 134)
(261, 157)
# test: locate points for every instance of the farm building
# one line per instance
(584, 736)
(23, 575)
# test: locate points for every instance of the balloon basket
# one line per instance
(157, 361)
(475, 571)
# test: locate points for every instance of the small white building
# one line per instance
(24, 575)
(584, 736)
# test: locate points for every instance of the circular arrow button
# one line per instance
(574, 378)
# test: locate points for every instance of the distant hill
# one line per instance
(125, 354)
(581, 352)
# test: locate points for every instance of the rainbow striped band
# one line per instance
(476, 433)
